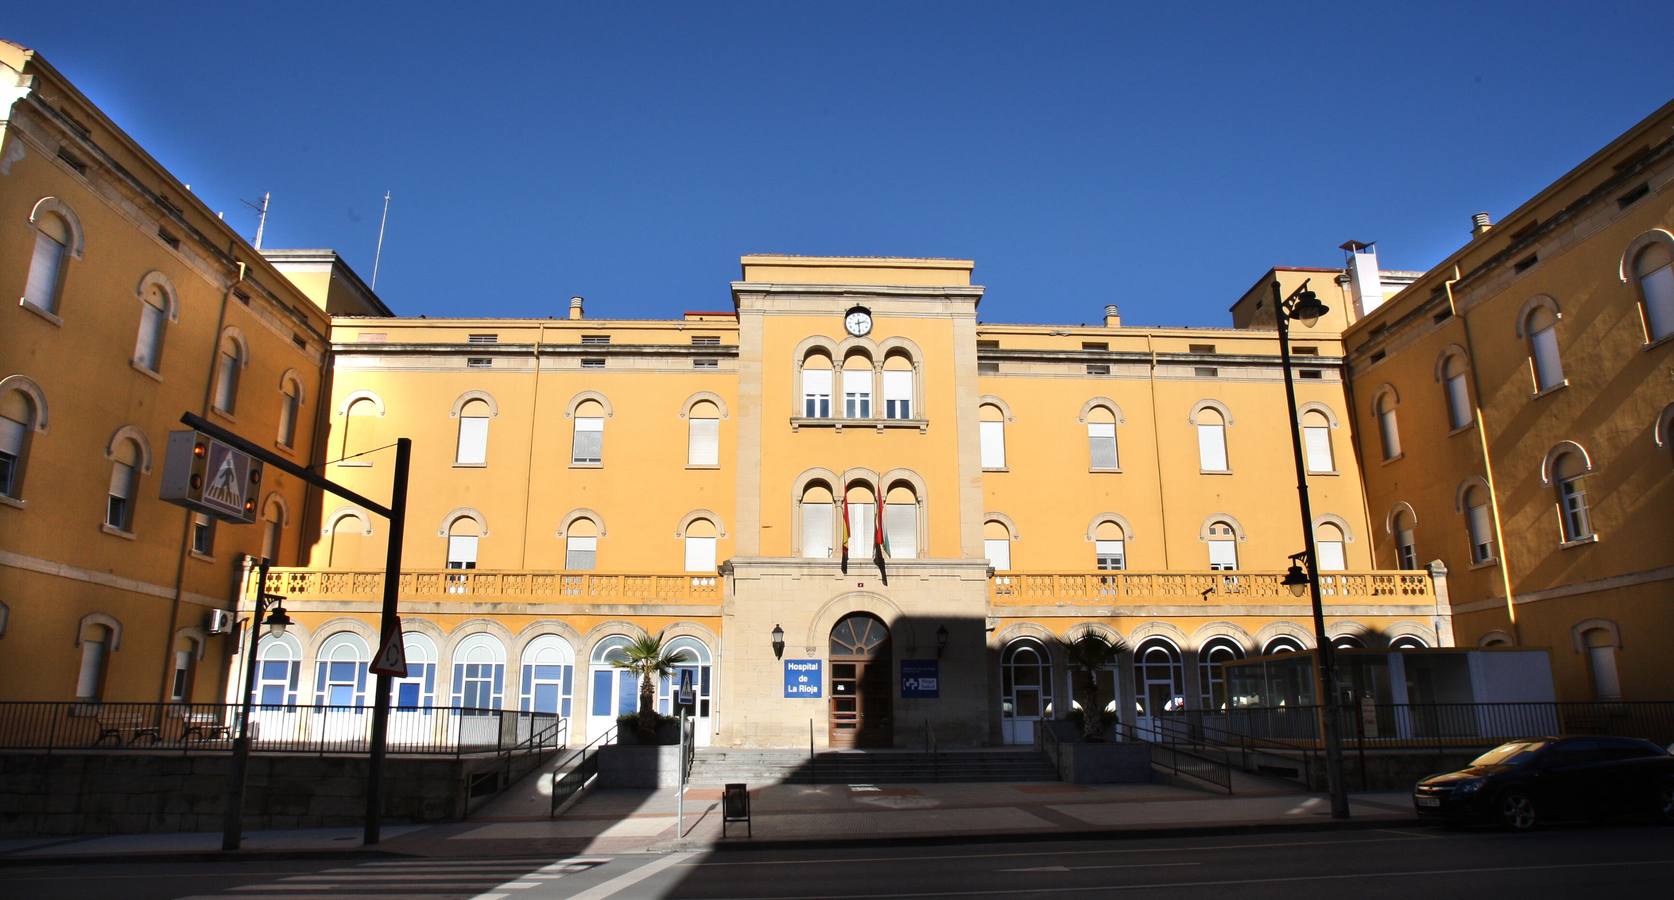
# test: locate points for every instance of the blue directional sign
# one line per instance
(920, 679)
(805, 678)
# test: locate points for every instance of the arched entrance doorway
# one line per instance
(860, 683)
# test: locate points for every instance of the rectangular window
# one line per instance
(816, 393)
(1211, 448)
(1331, 556)
(13, 435)
(1482, 538)
(462, 551)
(482, 339)
(706, 340)
(1458, 402)
(41, 291)
(1549, 369)
(998, 551)
(1223, 555)
(861, 529)
(1095, 345)
(226, 382)
(1391, 433)
(1316, 444)
(700, 554)
(203, 535)
(1577, 523)
(601, 691)
(706, 364)
(1206, 371)
(595, 339)
(473, 441)
(857, 393)
(119, 509)
(1101, 444)
(1406, 549)
(479, 362)
(901, 527)
(993, 444)
(703, 442)
(1111, 555)
(898, 395)
(148, 348)
(816, 530)
(581, 554)
(593, 362)
(181, 683)
(988, 368)
(1200, 348)
(1628, 199)
(589, 441)
(1097, 369)
(90, 681)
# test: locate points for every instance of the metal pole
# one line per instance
(1325, 672)
(680, 797)
(232, 822)
(392, 593)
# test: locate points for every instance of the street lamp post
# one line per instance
(232, 824)
(1304, 305)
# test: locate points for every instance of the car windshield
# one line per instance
(1511, 754)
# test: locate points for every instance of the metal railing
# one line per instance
(487, 584)
(210, 727)
(566, 782)
(1177, 751)
(1382, 587)
(1453, 725)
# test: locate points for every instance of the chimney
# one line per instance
(575, 307)
(1364, 283)
(1480, 223)
(1112, 316)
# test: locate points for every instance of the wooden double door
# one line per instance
(862, 671)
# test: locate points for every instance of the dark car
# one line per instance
(1525, 782)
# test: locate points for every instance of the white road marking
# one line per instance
(627, 880)
(1042, 853)
(1117, 866)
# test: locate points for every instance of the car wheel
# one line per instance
(1517, 810)
(1665, 803)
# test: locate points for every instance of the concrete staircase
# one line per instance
(713, 766)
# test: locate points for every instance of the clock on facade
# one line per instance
(858, 321)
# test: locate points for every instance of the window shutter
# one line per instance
(1458, 402)
(1223, 555)
(1317, 441)
(703, 442)
(92, 667)
(816, 530)
(581, 553)
(42, 288)
(1549, 370)
(1110, 555)
(1391, 433)
(11, 436)
(1658, 287)
(861, 530)
(121, 480)
(901, 525)
(473, 441)
(150, 336)
(700, 554)
(1101, 444)
(589, 440)
(462, 551)
(1211, 448)
(998, 551)
(898, 394)
(993, 444)
(1482, 544)
(1331, 556)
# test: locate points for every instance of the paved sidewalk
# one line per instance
(627, 821)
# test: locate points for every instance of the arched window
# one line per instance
(1316, 442)
(692, 660)
(462, 551)
(19, 420)
(229, 361)
(418, 689)
(1478, 524)
(1101, 439)
(96, 644)
(187, 649)
(355, 438)
(587, 447)
(1569, 471)
(700, 539)
(548, 675)
(1159, 679)
(857, 387)
(1211, 677)
(1348, 642)
(817, 520)
(278, 668)
(581, 545)
(154, 317)
(614, 691)
(816, 386)
(1282, 645)
(479, 672)
(124, 485)
(996, 544)
(348, 546)
(1110, 547)
(1389, 429)
(1223, 546)
(861, 508)
(1541, 326)
(1601, 660)
(1407, 642)
(1653, 271)
(1404, 526)
(703, 435)
(992, 431)
(1211, 440)
(290, 409)
(901, 522)
(1328, 540)
(1025, 689)
(340, 671)
(1459, 414)
(54, 236)
(898, 387)
(472, 449)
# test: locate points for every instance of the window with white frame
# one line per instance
(898, 388)
(148, 345)
(1459, 413)
(463, 533)
(17, 423)
(479, 673)
(900, 521)
(1223, 547)
(1316, 442)
(587, 448)
(1389, 430)
(124, 484)
(1101, 439)
(278, 669)
(1328, 540)
(185, 667)
(203, 534)
(1406, 546)
(996, 545)
(472, 448)
(581, 545)
(1211, 660)
(857, 388)
(1110, 547)
(273, 523)
(340, 671)
(1601, 660)
(228, 362)
(992, 432)
(862, 510)
(1541, 326)
(1478, 524)
(1653, 271)
(548, 676)
(703, 434)
(1211, 441)
(817, 520)
(290, 410)
(816, 387)
(1569, 471)
(700, 538)
(418, 689)
(46, 266)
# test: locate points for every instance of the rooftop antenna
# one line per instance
(261, 215)
(379, 255)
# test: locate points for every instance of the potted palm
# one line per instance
(650, 659)
(1090, 657)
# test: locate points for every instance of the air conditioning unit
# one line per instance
(220, 621)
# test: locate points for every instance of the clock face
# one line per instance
(858, 322)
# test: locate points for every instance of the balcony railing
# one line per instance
(1032, 588)
(485, 584)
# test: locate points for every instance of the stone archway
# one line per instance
(861, 708)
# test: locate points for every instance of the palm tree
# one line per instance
(650, 659)
(1090, 656)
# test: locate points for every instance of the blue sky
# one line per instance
(1157, 156)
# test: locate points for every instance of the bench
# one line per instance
(205, 726)
(126, 726)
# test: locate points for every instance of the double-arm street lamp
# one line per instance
(1304, 306)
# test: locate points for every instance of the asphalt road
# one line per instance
(1399, 862)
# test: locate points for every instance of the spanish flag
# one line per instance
(845, 536)
(880, 541)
